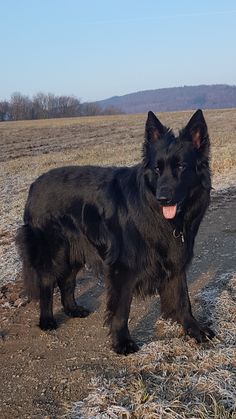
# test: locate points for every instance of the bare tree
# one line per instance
(21, 106)
(40, 106)
(4, 111)
(69, 106)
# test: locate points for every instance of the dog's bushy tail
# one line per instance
(26, 245)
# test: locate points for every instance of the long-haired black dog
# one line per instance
(138, 222)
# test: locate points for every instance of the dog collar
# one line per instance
(178, 234)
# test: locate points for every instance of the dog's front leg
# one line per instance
(120, 290)
(175, 304)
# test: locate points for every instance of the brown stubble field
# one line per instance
(170, 377)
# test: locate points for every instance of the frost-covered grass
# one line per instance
(174, 378)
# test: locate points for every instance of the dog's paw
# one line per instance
(199, 333)
(125, 347)
(47, 323)
(78, 311)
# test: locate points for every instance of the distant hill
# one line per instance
(175, 99)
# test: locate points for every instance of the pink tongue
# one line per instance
(169, 212)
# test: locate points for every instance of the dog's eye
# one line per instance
(157, 170)
(181, 166)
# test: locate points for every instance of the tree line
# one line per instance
(45, 106)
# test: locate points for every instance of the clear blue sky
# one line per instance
(95, 49)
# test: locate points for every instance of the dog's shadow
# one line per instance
(89, 289)
(144, 313)
(146, 328)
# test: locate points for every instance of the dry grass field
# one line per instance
(171, 377)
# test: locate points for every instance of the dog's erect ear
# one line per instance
(196, 130)
(154, 128)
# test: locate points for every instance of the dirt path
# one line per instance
(43, 373)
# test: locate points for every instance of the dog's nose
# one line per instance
(163, 200)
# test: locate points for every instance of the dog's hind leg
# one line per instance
(67, 288)
(47, 321)
(175, 304)
(120, 290)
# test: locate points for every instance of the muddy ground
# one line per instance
(43, 373)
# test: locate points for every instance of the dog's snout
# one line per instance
(164, 196)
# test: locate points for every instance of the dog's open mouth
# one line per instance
(169, 211)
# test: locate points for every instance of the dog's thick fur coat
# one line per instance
(138, 223)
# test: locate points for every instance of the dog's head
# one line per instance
(176, 164)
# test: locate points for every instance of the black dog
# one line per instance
(138, 223)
